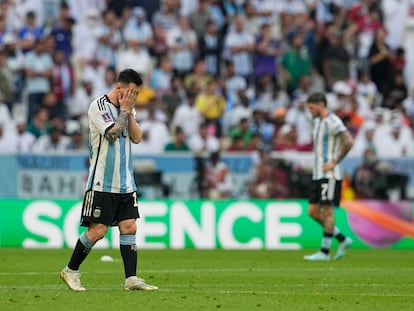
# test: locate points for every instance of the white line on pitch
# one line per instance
(200, 270)
(218, 291)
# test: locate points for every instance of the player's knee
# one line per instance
(314, 213)
(128, 227)
(97, 232)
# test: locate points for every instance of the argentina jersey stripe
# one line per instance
(111, 166)
(130, 168)
(123, 162)
(110, 161)
(326, 144)
(108, 177)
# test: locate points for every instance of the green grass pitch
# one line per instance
(212, 280)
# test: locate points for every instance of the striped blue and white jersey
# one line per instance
(326, 144)
(111, 168)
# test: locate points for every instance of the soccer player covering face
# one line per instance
(110, 198)
(331, 143)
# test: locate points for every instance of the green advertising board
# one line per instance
(278, 224)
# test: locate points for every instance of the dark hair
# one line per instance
(31, 14)
(130, 76)
(215, 156)
(178, 130)
(317, 97)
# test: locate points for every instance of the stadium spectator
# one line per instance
(147, 99)
(53, 142)
(179, 141)
(134, 56)
(3, 28)
(174, 97)
(15, 62)
(82, 97)
(218, 183)
(198, 79)
(303, 89)
(162, 75)
(287, 140)
(211, 106)
(409, 45)
(260, 126)
(76, 143)
(251, 19)
(408, 105)
(163, 21)
(367, 89)
(85, 30)
(398, 89)
(139, 29)
(296, 62)
(39, 125)
(30, 33)
(298, 116)
(399, 137)
(63, 13)
(242, 131)
(236, 144)
(7, 139)
(63, 34)
(364, 140)
(62, 80)
(198, 19)
(188, 6)
(336, 60)
(266, 180)
(203, 140)
(234, 85)
(267, 53)
(108, 82)
(187, 116)
(380, 57)
(109, 39)
(182, 43)
(210, 48)
(38, 67)
(158, 134)
(57, 110)
(23, 139)
(238, 46)
(5, 115)
(84, 9)
(369, 178)
(7, 87)
(395, 14)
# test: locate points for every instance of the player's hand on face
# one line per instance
(127, 98)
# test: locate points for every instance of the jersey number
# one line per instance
(134, 195)
(324, 191)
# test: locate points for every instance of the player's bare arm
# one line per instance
(134, 130)
(120, 123)
(346, 143)
(126, 99)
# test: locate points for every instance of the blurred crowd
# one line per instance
(220, 75)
